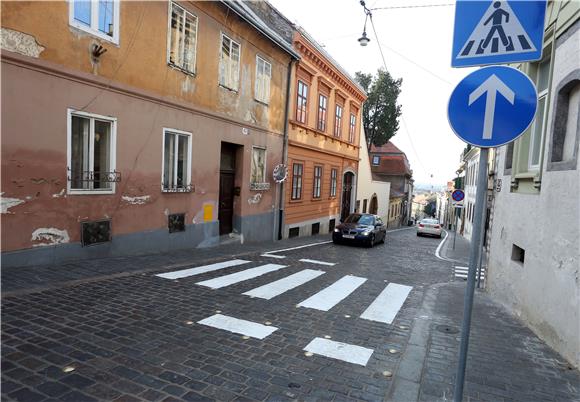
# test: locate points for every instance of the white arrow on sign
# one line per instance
(491, 87)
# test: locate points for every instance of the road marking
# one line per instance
(330, 264)
(462, 272)
(241, 276)
(333, 294)
(386, 306)
(280, 286)
(237, 326)
(340, 351)
(298, 247)
(201, 270)
(272, 256)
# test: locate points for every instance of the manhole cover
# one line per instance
(446, 329)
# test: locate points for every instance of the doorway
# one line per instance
(346, 195)
(227, 188)
(374, 205)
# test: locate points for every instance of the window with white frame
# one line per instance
(333, 176)
(98, 17)
(91, 153)
(258, 173)
(229, 74)
(538, 128)
(316, 190)
(263, 77)
(176, 161)
(376, 160)
(182, 38)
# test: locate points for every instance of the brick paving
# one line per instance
(132, 336)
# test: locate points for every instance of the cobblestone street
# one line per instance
(137, 336)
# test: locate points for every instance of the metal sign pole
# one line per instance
(474, 252)
(456, 221)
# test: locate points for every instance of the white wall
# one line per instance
(544, 291)
(367, 186)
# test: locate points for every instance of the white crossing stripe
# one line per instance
(333, 294)
(201, 270)
(241, 276)
(238, 326)
(330, 264)
(462, 272)
(280, 286)
(272, 256)
(340, 351)
(386, 306)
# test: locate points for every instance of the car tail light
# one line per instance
(421, 225)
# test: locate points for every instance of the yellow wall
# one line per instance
(140, 59)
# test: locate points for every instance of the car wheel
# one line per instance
(418, 234)
(372, 240)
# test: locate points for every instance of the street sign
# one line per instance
(458, 195)
(497, 32)
(492, 106)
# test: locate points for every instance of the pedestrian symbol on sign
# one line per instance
(498, 24)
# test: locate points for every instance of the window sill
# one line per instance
(228, 88)
(297, 201)
(178, 190)
(266, 104)
(91, 192)
(316, 199)
(82, 27)
(183, 70)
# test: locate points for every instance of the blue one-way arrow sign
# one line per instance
(497, 32)
(492, 106)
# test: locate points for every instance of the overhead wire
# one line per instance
(412, 6)
(402, 115)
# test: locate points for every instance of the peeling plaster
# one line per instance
(255, 199)
(49, 237)
(19, 42)
(61, 194)
(8, 203)
(138, 200)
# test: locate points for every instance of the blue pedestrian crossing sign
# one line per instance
(497, 32)
(492, 106)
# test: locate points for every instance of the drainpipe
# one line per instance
(285, 150)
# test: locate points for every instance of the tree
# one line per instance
(380, 111)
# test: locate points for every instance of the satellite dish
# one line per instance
(280, 173)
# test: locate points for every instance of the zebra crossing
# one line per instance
(461, 273)
(383, 309)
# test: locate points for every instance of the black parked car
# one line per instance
(360, 228)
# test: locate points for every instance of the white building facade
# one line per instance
(372, 195)
(533, 261)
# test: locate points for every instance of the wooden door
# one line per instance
(346, 195)
(226, 206)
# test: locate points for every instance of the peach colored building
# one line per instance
(139, 127)
(323, 142)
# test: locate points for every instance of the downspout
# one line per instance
(285, 150)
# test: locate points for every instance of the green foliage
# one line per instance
(380, 111)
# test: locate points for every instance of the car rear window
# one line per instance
(430, 221)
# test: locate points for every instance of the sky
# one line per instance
(416, 43)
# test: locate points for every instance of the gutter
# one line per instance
(285, 149)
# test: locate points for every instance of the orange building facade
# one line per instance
(323, 142)
(145, 127)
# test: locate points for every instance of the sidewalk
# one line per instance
(25, 279)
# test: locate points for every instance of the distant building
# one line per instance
(389, 163)
(372, 193)
(534, 259)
